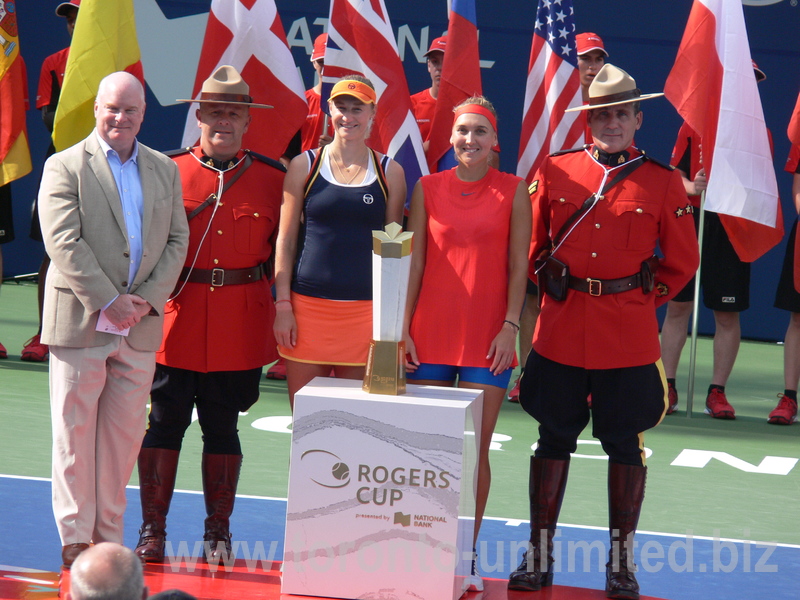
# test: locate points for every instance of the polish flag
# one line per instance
(248, 35)
(361, 41)
(461, 76)
(713, 87)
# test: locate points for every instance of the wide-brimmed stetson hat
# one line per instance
(226, 86)
(612, 86)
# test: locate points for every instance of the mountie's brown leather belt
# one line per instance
(221, 277)
(602, 287)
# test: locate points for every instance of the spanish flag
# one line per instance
(104, 42)
(15, 157)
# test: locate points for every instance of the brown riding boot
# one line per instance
(625, 496)
(157, 468)
(548, 480)
(220, 477)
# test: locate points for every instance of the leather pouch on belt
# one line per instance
(647, 273)
(553, 277)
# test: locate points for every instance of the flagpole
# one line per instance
(695, 309)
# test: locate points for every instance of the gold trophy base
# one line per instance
(386, 372)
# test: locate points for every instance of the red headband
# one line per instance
(476, 109)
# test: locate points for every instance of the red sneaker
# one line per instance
(513, 395)
(672, 394)
(717, 405)
(35, 350)
(278, 370)
(785, 413)
(3, 351)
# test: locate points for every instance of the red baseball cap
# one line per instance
(319, 47)
(437, 45)
(61, 9)
(760, 75)
(586, 42)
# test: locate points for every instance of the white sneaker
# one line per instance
(475, 581)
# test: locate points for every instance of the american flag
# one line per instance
(553, 86)
(248, 35)
(361, 40)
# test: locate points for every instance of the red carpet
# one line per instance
(240, 582)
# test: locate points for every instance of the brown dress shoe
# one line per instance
(70, 552)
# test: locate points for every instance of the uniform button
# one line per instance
(219, 231)
(639, 210)
(216, 261)
(255, 214)
(126, 254)
(562, 199)
(211, 288)
(221, 203)
(594, 254)
(597, 225)
(124, 284)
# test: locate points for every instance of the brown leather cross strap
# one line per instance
(221, 277)
(213, 197)
(603, 287)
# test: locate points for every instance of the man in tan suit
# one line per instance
(115, 228)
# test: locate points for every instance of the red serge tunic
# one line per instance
(464, 289)
(646, 209)
(227, 328)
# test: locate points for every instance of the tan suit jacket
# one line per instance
(85, 236)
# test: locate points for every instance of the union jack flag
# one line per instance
(553, 86)
(361, 40)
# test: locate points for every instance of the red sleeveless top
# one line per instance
(463, 295)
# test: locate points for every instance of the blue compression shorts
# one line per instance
(480, 375)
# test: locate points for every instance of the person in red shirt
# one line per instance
(600, 213)
(725, 280)
(423, 104)
(788, 298)
(51, 79)
(317, 131)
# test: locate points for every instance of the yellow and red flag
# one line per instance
(104, 41)
(15, 156)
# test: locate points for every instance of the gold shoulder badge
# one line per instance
(533, 187)
(662, 289)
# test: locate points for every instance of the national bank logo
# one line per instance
(326, 469)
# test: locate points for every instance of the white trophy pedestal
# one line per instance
(381, 492)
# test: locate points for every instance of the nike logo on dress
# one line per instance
(467, 193)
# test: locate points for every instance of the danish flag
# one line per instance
(248, 35)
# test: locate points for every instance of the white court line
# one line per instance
(508, 522)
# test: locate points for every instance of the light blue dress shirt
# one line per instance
(129, 186)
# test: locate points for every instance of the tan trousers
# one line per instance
(98, 400)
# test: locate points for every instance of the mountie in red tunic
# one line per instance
(225, 328)
(644, 211)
